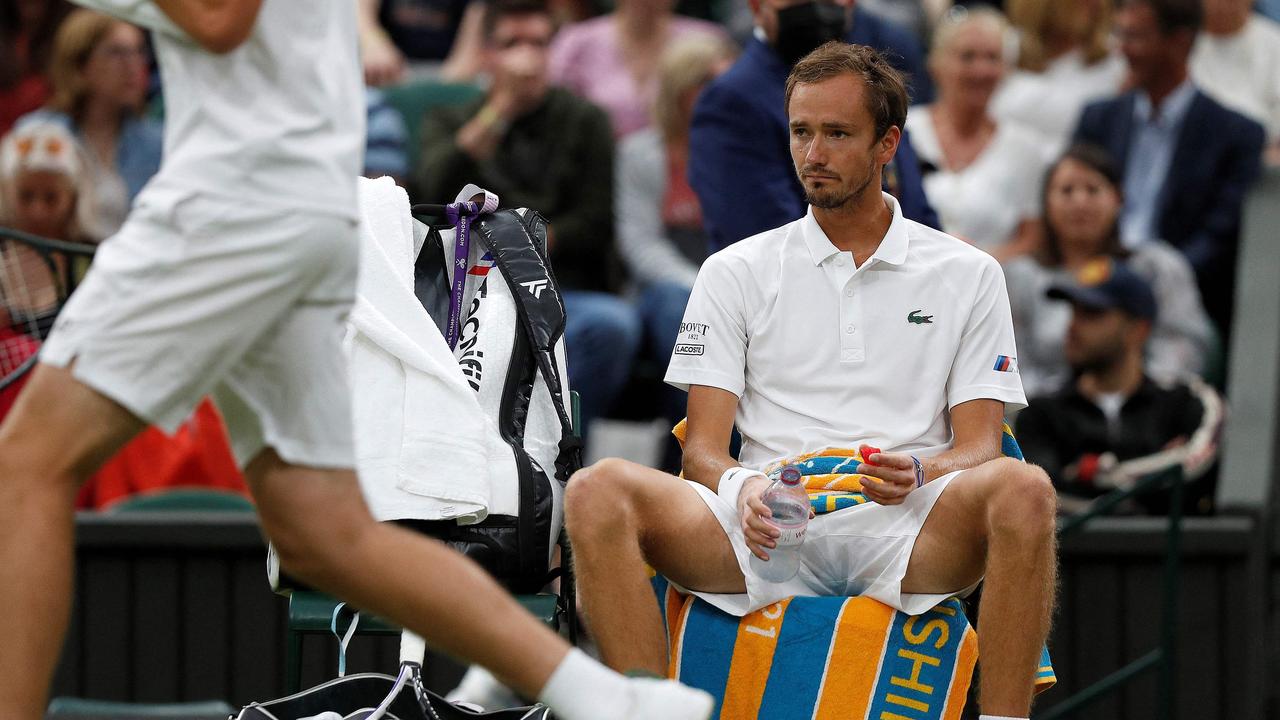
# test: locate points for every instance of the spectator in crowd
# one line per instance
(26, 40)
(1114, 424)
(980, 175)
(386, 138)
(658, 218)
(542, 147)
(43, 183)
(41, 176)
(612, 60)
(1081, 208)
(99, 73)
(1187, 161)
(739, 159)
(1064, 62)
(431, 36)
(1236, 61)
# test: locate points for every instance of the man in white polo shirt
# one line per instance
(851, 325)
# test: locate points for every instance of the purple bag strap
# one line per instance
(460, 214)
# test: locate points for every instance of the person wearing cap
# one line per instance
(44, 189)
(1114, 424)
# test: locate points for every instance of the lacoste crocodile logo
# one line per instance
(915, 318)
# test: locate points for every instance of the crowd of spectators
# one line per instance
(1054, 135)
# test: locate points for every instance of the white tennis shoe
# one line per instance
(654, 699)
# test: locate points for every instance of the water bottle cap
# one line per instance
(790, 475)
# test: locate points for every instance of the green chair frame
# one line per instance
(312, 612)
(1163, 658)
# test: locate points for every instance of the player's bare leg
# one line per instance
(997, 518)
(325, 535)
(57, 434)
(623, 518)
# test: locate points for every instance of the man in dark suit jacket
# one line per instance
(1188, 161)
(739, 158)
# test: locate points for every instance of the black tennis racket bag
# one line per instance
(372, 696)
(508, 326)
(510, 347)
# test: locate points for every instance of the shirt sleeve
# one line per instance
(711, 348)
(144, 13)
(986, 363)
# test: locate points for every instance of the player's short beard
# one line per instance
(832, 199)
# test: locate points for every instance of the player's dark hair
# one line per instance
(496, 10)
(886, 94)
(1100, 161)
(1173, 15)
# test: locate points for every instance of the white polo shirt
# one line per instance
(822, 354)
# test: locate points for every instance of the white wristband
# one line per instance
(731, 482)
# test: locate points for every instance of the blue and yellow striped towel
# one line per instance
(822, 658)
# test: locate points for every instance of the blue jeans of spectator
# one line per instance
(603, 333)
(661, 306)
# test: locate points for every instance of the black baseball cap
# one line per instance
(1108, 285)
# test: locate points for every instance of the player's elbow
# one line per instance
(223, 37)
(219, 26)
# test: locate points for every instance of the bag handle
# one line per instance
(540, 309)
(344, 639)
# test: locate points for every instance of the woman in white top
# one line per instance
(1065, 61)
(981, 176)
(1082, 200)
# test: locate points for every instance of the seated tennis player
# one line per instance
(236, 270)
(850, 325)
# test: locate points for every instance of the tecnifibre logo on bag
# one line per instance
(471, 359)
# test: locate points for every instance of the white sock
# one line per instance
(581, 688)
(998, 717)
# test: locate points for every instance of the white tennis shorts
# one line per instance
(862, 550)
(199, 294)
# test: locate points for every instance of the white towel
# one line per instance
(421, 437)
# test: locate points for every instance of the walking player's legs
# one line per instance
(324, 535)
(57, 434)
(997, 518)
(256, 298)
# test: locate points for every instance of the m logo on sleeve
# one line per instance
(1004, 363)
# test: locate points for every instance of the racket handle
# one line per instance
(412, 648)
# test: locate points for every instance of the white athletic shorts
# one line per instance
(199, 294)
(862, 550)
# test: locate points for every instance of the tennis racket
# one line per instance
(37, 275)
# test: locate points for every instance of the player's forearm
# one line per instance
(960, 457)
(219, 26)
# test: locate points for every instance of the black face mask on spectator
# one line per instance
(802, 28)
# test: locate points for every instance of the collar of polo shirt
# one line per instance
(892, 250)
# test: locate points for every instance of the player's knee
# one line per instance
(1025, 501)
(596, 497)
(26, 469)
(314, 547)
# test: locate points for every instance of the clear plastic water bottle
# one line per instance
(789, 503)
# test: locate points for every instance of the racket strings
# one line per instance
(31, 294)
